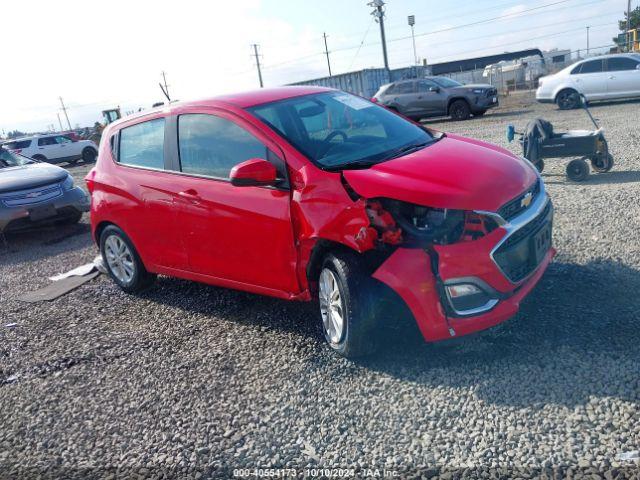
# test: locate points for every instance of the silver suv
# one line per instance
(437, 97)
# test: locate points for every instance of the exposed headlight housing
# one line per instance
(478, 91)
(67, 184)
(470, 297)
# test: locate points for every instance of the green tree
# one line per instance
(635, 20)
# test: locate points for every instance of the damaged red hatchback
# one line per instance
(303, 193)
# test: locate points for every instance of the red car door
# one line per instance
(240, 234)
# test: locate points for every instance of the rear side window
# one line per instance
(212, 146)
(18, 144)
(142, 145)
(617, 64)
(594, 66)
(401, 88)
(47, 141)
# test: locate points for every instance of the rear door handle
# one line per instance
(611, 77)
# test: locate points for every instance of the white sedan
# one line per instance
(600, 78)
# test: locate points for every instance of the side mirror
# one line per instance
(434, 89)
(254, 172)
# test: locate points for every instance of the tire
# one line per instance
(568, 99)
(602, 164)
(459, 110)
(128, 272)
(89, 155)
(40, 158)
(577, 170)
(479, 113)
(359, 332)
(539, 165)
(73, 219)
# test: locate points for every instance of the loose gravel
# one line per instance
(192, 381)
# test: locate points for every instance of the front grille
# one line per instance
(514, 207)
(31, 196)
(514, 256)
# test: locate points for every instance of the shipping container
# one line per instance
(366, 82)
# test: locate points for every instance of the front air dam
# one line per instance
(408, 272)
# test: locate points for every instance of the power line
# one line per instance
(361, 43)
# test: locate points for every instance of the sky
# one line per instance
(102, 55)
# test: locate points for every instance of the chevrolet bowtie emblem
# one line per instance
(526, 200)
(33, 194)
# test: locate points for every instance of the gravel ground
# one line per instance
(188, 380)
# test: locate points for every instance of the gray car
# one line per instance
(34, 193)
(437, 97)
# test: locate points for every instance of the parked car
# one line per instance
(54, 148)
(307, 193)
(437, 97)
(34, 193)
(600, 78)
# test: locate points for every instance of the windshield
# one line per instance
(8, 159)
(337, 130)
(445, 82)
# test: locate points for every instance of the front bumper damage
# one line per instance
(421, 276)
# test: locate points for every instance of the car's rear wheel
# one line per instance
(89, 155)
(568, 99)
(459, 110)
(349, 322)
(122, 261)
(577, 170)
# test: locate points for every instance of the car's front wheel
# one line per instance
(349, 323)
(459, 110)
(122, 261)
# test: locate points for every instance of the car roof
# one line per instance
(610, 55)
(245, 99)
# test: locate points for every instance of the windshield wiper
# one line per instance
(407, 150)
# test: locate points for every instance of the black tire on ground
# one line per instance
(73, 161)
(479, 113)
(602, 164)
(568, 99)
(89, 155)
(577, 170)
(539, 165)
(361, 331)
(141, 279)
(459, 110)
(74, 218)
(40, 158)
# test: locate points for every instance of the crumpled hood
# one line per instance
(30, 176)
(455, 172)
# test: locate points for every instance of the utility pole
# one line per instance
(255, 53)
(166, 87)
(378, 13)
(412, 21)
(628, 35)
(64, 109)
(59, 121)
(326, 51)
(588, 41)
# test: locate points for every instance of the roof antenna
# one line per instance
(166, 94)
(165, 87)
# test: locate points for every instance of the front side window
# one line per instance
(62, 139)
(212, 146)
(142, 145)
(337, 130)
(425, 86)
(617, 64)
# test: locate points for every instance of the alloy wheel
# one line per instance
(331, 307)
(119, 259)
(568, 100)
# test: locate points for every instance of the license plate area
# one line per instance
(40, 213)
(541, 242)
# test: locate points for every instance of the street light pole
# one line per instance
(628, 35)
(588, 41)
(412, 21)
(378, 13)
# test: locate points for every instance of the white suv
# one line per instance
(600, 78)
(54, 148)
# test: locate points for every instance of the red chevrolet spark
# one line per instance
(303, 193)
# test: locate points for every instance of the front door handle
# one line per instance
(190, 194)
(611, 77)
